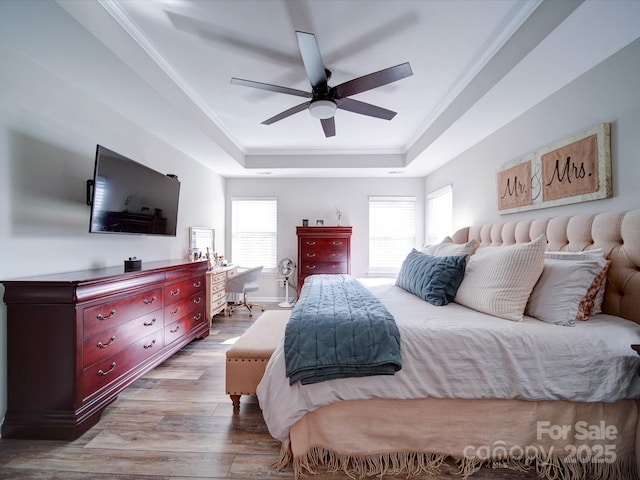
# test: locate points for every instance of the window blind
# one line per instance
(391, 232)
(254, 232)
(439, 214)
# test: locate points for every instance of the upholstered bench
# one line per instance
(248, 357)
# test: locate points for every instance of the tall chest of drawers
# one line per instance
(76, 340)
(323, 250)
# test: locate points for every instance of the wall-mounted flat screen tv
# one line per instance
(128, 197)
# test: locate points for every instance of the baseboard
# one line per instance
(253, 299)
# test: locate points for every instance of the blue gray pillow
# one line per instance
(434, 279)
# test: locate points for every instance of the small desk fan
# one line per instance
(286, 268)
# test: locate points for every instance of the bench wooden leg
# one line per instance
(235, 399)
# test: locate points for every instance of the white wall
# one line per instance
(48, 134)
(318, 198)
(607, 93)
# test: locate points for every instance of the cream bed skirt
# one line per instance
(560, 440)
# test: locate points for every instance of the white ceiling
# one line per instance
(476, 66)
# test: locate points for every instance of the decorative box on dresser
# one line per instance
(323, 250)
(76, 340)
(217, 290)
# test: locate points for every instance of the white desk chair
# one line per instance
(244, 282)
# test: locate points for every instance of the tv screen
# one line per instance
(128, 197)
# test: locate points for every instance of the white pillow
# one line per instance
(449, 249)
(562, 287)
(596, 252)
(499, 280)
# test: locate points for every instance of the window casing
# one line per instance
(254, 232)
(392, 233)
(439, 215)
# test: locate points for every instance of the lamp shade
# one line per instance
(322, 109)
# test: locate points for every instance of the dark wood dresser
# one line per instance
(76, 340)
(323, 250)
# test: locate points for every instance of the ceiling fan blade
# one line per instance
(329, 126)
(373, 80)
(312, 60)
(363, 108)
(271, 88)
(286, 113)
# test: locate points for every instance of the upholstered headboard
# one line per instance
(617, 233)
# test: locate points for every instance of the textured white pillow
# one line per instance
(499, 280)
(429, 249)
(449, 249)
(596, 252)
(562, 286)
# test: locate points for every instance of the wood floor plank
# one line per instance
(175, 373)
(162, 408)
(170, 441)
(113, 420)
(258, 466)
(237, 424)
(174, 395)
(126, 462)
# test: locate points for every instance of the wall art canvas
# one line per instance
(514, 186)
(573, 170)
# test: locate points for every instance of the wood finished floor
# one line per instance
(176, 423)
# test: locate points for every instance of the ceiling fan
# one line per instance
(324, 100)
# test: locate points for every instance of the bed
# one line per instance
(481, 389)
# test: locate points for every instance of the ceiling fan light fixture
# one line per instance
(322, 109)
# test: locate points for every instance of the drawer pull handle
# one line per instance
(102, 373)
(102, 317)
(197, 285)
(196, 301)
(174, 331)
(148, 324)
(105, 345)
(311, 255)
(173, 312)
(175, 292)
(197, 317)
(310, 243)
(311, 267)
(149, 345)
(337, 243)
(149, 302)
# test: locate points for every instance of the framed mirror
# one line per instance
(202, 238)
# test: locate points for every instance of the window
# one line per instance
(391, 232)
(254, 231)
(439, 215)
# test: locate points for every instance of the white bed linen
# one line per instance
(456, 352)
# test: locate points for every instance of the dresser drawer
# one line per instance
(315, 254)
(218, 295)
(180, 327)
(218, 305)
(311, 268)
(180, 309)
(323, 244)
(107, 315)
(218, 287)
(104, 372)
(180, 290)
(219, 278)
(115, 339)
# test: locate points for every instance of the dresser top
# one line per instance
(81, 276)
(87, 285)
(324, 231)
